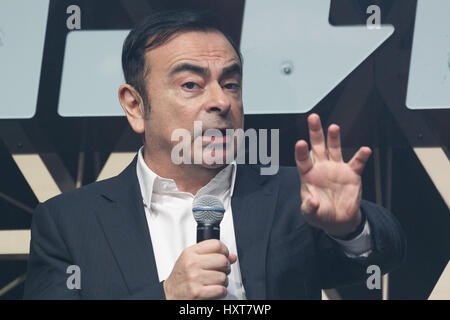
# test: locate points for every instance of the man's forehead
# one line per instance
(199, 47)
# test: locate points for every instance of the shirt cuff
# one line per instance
(358, 247)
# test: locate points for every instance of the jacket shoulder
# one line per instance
(80, 195)
(90, 192)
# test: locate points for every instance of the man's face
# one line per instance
(195, 76)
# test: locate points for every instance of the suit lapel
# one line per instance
(253, 205)
(125, 227)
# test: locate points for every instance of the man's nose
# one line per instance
(218, 101)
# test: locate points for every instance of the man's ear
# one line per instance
(133, 106)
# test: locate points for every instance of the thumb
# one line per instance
(232, 258)
(309, 205)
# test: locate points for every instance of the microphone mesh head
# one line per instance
(208, 209)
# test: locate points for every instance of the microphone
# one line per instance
(208, 212)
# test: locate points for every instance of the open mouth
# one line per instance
(214, 137)
(222, 131)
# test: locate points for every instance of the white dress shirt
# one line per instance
(173, 228)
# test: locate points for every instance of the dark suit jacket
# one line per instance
(102, 228)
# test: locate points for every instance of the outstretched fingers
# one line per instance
(334, 143)
(302, 157)
(317, 137)
(359, 160)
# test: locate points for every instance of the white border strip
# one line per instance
(14, 242)
(437, 165)
(37, 175)
(117, 161)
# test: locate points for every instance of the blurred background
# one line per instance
(379, 69)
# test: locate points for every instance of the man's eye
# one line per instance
(190, 85)
(232, 86)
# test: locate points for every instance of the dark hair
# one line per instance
(160, 27)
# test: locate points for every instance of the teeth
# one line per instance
(223, 131)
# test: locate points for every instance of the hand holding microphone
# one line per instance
(201, 270)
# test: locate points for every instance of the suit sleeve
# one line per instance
(388, 250)
(48, 260)
(155, 292)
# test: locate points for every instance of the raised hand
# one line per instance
(330, 188)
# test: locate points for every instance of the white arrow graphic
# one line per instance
(22, 35)
(429, 74)
(293, 57)
(92, 74)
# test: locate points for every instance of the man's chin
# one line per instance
(213, 166)
(214, 162)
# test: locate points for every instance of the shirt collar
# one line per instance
(150, 182)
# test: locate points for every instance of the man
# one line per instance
(284, 236)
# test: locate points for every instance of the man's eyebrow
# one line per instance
(235, 68)
(189, 67)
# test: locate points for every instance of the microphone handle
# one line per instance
(207, 231)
